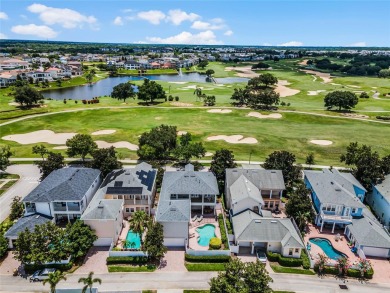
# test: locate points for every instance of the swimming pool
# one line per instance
(133, 239)
(205, 232)
(327, 247)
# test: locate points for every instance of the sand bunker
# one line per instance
(179, 104)
(221, 111)
(321, 142)
(234, 139)
(178, 82)
(315, 93)
(352, 115)
(285, 91)
(245, 71)
(303, 62)
(120, 145)
(181, 132)
(261, 116)
(325, 76)
(191, 87)
(102, 132)
(47, 136)
(61, 147)
(208, 154)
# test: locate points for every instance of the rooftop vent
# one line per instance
(173, 209)
(257, 221)
(273, 171)
(273, 221)
(337, 189)
(37, 216)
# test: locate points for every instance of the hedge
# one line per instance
(354, 273)
(383, 117)
(224, 236)
(31, 268)
(305, 260)
(285, 261)
(113, 260)
(207, 258)
(215, 243)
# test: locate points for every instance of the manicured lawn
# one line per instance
(292, 132)
(131, 269)
(9, 176)
(279, 269)
(203, 267)
(7, 186)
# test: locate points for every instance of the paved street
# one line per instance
(117, 282)
(29, 176)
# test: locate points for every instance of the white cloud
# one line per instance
(202, 38)
(358, 44)
(41, 31)
(127, 10)
(267, 44)
(118, 20)
(3, 36)
(292, 44)
(228, 33)
(3, 15)
(152, 16)
(203, 25)
(177, 16)
(65, 17)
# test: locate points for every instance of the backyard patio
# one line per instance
(199, 222)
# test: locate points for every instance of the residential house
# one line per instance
(61, 197)
(122, 193)
(12, 63)
(40, 76)
(337, 197)
(7, 78)
(183, 192)
(240, 185)
(254, 231)
(379, 201)
(132, 65)
(54, 72)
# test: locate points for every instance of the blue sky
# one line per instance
(236, 22)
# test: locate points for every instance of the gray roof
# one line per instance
(252, 166)
(242, 188)
(27, 222)
(173, 211)
(368, 232)
(64, 184)
(188, 182)
(262, 179)
(138, 180)
(249, 226)
(334, 187)
(384, 188)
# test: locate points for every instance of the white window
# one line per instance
(127, 210)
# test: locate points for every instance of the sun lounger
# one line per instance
(194, 218)
(200, 219)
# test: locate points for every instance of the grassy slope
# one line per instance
(291, 133)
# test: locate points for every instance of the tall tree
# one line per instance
(54, 279)
(341, 100)
(79, 238)
(202, 64)
(310, 159)
(268, 79)
(150, 91)
(263, 99)
(299, 206)
(239, 97)
(154, 242)
(123, 91)
(5, 154)
(138, 222)
(17, 208)
(3, 245)
(26, 95)
(105, 160)
(40, 150)
(242, 277)
(188, 149)
(283, 160)
(88, 282)
(209, 72)
(53, 162)
(80, 145)
(222, 160)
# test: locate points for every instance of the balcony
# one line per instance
(334, 217)
(74, 207)
(59, 207)
(31, 210)
(133, 202)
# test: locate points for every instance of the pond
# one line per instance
(104, 86)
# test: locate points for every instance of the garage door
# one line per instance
(103, 242)
(374, 251)
(174, 242)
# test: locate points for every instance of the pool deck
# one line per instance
(123, 234)
(340, 245)
(193, 242)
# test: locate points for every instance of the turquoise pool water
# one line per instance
(327, 247)
(205, 232)
(134, 240)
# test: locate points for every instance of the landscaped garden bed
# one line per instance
(206, 263)
(129, 264)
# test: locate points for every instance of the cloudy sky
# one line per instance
(237, 22)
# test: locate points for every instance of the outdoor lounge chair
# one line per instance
(200, 219)
(194, 218)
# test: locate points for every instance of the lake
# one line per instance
(104, 86)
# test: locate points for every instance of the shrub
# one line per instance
(64, 101)
(305, 260)
(170, 98)
(383, 117)
(176, 98)
(75, 101)
(84, 102)
(112, 260)
(290, 262)
(283, 104)
(215, 243)
(354, 273)
(224, 237)
(31, 268)
(207, 258)
(272, 256)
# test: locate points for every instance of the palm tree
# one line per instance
(138, 222)
(88, 282)
(198, 93)
(302, 218)
(54, 279)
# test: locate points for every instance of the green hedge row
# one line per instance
(285, 261)
(224, 236)
(207, 258)
(113, 260)
(350, 273)
(32, 268)
(305, 260)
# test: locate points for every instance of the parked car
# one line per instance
(41, 274)
(261, 256)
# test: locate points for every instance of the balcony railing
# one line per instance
(30, 210)
(74, 208)
(136, 202)
(59, 208)
(335, 217)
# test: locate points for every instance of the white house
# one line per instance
(379, 201)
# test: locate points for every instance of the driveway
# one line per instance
(95, 261)
(9, 264)
(381, 270)
(173, 261)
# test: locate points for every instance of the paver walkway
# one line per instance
(173, 261)
(95, 261)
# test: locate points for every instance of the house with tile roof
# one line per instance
(254, 231)
(184, 193)
(337, 197)
(123, 192)
(379, 201)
